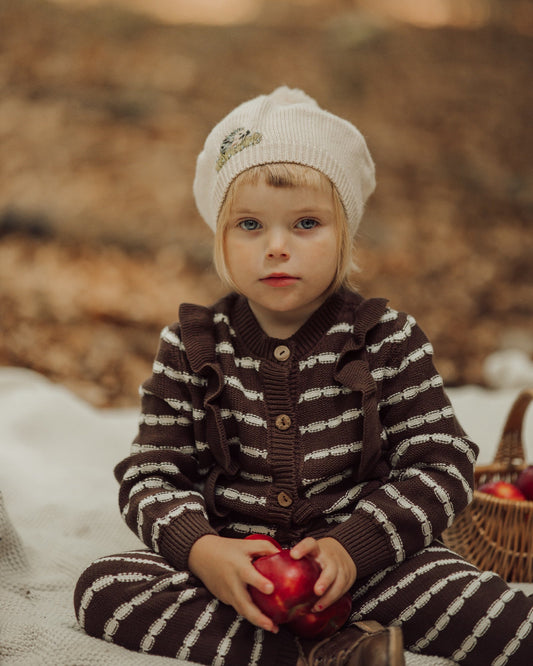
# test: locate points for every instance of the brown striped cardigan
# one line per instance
(342, 430)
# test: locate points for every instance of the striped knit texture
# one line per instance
(210, 458)
(347, 433)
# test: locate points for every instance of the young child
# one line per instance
(297, 409)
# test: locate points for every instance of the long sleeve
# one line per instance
(430, 459)
(161, 481)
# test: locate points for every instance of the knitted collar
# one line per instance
(300, 343)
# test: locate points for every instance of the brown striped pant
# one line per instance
(445, 606)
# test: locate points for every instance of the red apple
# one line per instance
(293, 585)
(263, 537)
(502, 490)
(524, 482)
(325, 623)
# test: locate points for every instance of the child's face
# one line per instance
(281, 251)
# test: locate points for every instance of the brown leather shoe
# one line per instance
(360, 644)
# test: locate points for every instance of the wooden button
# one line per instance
(284, 500)
(283, 422)
(282, 353)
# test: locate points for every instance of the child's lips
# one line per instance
(279, 280)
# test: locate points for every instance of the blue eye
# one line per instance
(249, 225)
(307, 223)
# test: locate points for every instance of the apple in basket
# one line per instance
(502, 490)
(524, 482)
(293, 595)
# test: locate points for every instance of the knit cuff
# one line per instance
(366, 543)
(178, 538)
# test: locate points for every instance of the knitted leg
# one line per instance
(139, 601)
(448, 608)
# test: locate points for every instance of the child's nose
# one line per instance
(277, 246)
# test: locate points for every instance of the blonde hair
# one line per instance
(288, 175)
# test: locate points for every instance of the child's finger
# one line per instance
(251, 612)
(260, 582)
(329, 596)
(307, 546)
(260, 547)
(324, 582)
(257, 618)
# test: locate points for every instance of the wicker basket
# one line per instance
(496, 534)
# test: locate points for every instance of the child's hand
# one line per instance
(225, 568)
(338, 569)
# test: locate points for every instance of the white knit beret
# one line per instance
(285, 126)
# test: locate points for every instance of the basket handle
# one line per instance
(510, 450)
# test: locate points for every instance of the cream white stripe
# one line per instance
(405, 582)
(169, 517)
(236, 383)
(221, 318)
(346, 500)
(390, 315)
(422, 419)
(379, 374)
(225, 644)
(326, 358)
(161, 498)
(337, 450)
(201, 623)
(396, 337)
(425, 598)
(163, 420)
(387, 525)
(244, 498)
(138, 560)
(103, 582)
(342, 327)
(125, 609)
(150, 483)
(483, 625)
(144, 448)
(247, 363)
(245, 528)
(249, 419)
(323, 392)
(412, 391)
(202, 446)
(186, 377)
(405, 503)
(244, 362)
(458, 443)
(260, 478)
(445, 468)
(512, 646)
(437, 489)
(319, 426)
(252, 452)
(257, 649)
(148, 640)
(320, 486)
(161, 467)
(186, 406)
(338, 518)
(225, 347)
(378, 577)
(169, 336)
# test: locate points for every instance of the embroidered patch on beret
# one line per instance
(236, 141)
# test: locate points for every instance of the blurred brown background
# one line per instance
(104, 107)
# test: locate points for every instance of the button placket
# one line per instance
(284, 499)
(283, 422)
(282, 353)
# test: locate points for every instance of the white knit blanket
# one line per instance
(59, 512)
